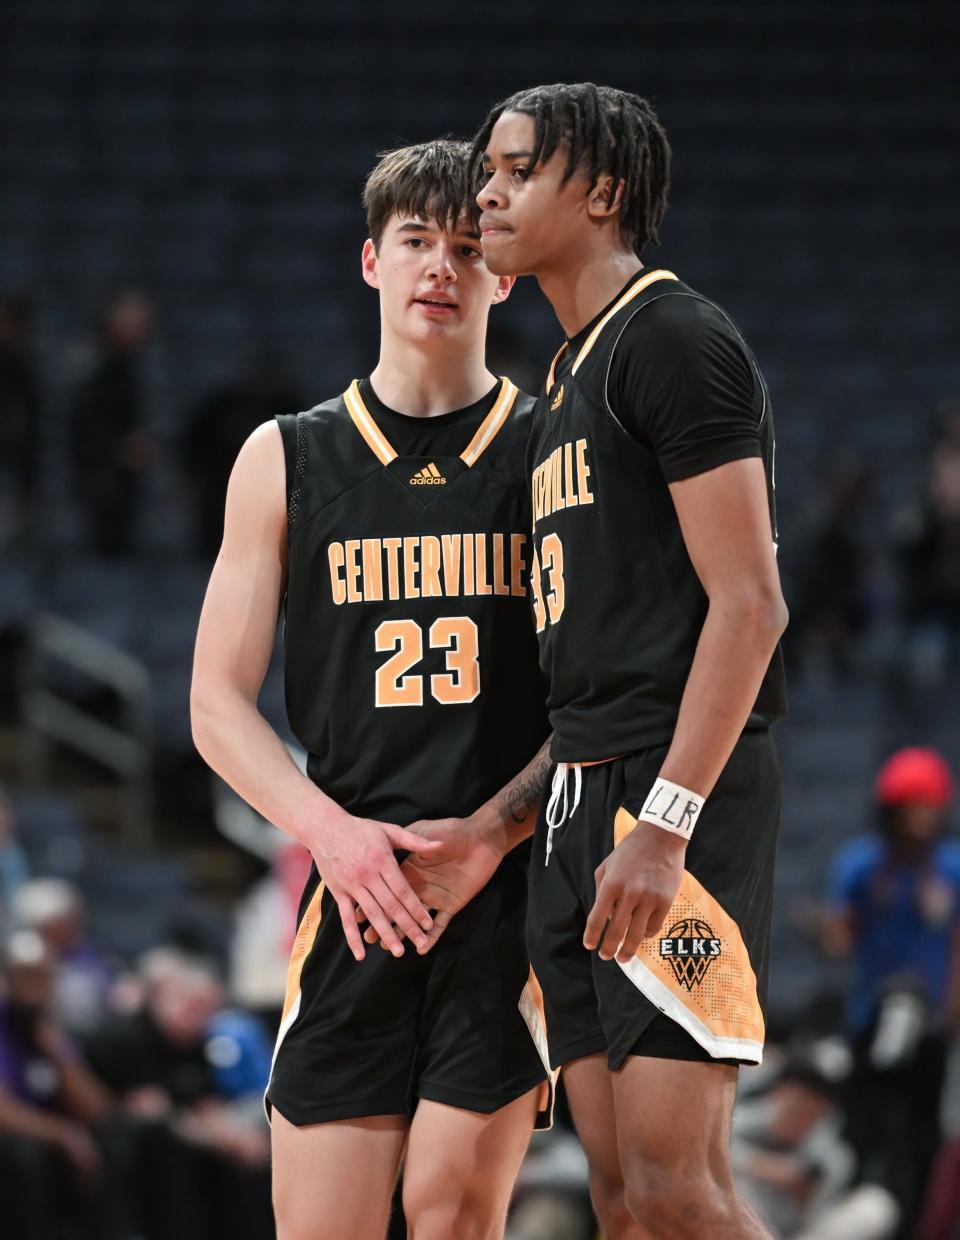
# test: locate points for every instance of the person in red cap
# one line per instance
(895, 909)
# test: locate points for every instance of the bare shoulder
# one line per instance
(262, 453)
(257, 491)
(260, 469)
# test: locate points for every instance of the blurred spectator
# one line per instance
(552, 1195)
(14, 870)
(867, 1212)
(790, 1160)
(240, 1054)
(216, 428)
(940, 1219)
(51, 1110)
(19, 420)
(831, 573)
(895, 907)
(54, 909)
(110, 449)
(265, 928)
(929, 555)
(193, 1075)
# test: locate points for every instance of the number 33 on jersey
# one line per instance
(562, 481)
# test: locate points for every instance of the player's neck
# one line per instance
(427, 383)
(580, 289)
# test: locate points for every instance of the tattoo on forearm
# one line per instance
(523, 794)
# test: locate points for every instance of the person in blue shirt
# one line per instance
(894, 908)
(239, 1052)
(895, 895)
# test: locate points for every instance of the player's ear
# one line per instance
(368, 261)
(502, 291)
(599, 205)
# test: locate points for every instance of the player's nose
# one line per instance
(490, 194)
(441, 265)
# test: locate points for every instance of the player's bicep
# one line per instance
(238, 622)
(724, 516)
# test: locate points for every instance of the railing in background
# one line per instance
(240, 823)
(124, 748)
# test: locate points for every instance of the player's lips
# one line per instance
(490, 226)
(436, 303)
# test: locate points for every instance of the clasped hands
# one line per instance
(635, 884)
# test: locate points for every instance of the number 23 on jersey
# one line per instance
(396, 682)
(459, 684)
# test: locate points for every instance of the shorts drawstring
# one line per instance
(558, 807)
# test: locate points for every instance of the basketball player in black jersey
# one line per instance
(392, 525)
(658, 609)
(659, 612)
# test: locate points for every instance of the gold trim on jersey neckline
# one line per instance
(650, 278)
(383, 449)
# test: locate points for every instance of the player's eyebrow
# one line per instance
(509, 155)
(415, 226)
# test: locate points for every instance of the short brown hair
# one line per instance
(431, 180)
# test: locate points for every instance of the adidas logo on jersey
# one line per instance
(429, 477)
(557, 400)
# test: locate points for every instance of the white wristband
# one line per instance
(673, 808)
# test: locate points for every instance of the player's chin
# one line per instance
(422, 328)
(499, 253)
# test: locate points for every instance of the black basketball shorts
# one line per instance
(697, 989)
(372, 1037)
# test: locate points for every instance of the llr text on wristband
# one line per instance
(673, 808)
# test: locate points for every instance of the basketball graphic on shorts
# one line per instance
(691, 947)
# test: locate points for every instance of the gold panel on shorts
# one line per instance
(696, 969)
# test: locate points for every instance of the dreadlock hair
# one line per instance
(604, 131)
(431, 180)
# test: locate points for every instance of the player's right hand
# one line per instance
(356, 862)
(447, 881)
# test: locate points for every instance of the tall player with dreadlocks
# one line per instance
(659, 612)
(658, 609)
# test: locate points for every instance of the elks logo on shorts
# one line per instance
(691, 947)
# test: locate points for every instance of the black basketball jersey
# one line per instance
(618, 606)
(410, 662)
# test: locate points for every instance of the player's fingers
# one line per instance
(348, 917)
(645, 917)
(656, 918)
(380, 922)
(599, 916)
(617, 927)
(632, 940)
(370, 936)
(400, 888)
(391, 903)
(399, 837)
(440, 922)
